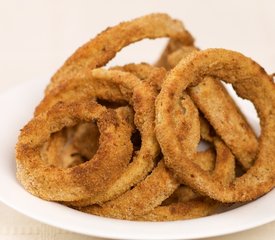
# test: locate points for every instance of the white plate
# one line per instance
(16, 109)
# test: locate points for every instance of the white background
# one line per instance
(37, 36)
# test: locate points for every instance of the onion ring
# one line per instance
(250, 82)
(213, 100)
(116, 85)
(100, 50)
(81, 181)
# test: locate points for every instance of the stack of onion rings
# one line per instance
(122, 142)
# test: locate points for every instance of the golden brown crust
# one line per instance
(181, 211)
(250, 82)
(221, 111)
(132, 90)
(148, 195)
(181, 194)
(146, 73)
(86, 137)
(97, 114)
(182, 52)
(213, 100)
(59, 151)
(172, 46)
(143, 198)
(87, 179)
(100, 50)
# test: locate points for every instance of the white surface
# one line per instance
(37, 36)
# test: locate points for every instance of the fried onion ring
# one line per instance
(213, 100)
(250, 82)
(115, 85)
(100, 50)
(84, 180)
